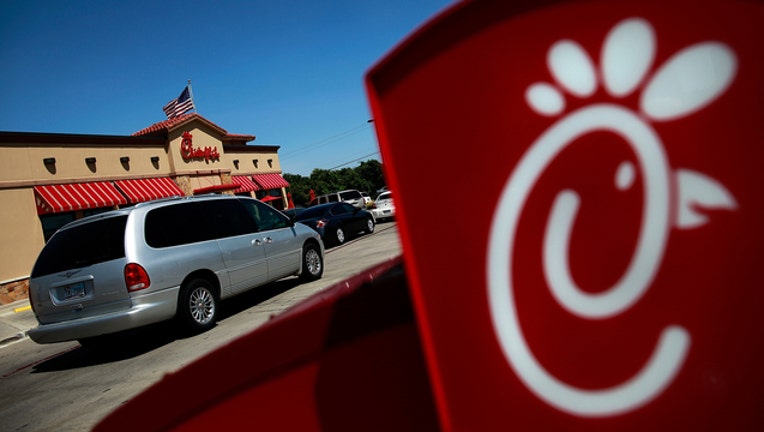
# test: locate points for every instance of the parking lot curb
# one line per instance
(15, 320)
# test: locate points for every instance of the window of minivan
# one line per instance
(193, 222)
(91, 243)
(266, 217)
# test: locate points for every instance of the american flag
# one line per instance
(179, 106)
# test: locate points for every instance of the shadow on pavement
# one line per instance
(136, 342)
(118, 346)
(241, 302)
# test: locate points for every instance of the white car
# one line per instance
(384, 207)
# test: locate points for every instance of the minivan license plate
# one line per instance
(74, 291)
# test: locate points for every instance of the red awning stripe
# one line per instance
(270, 181)
(77, 196)
(245, 184)
(140, 190)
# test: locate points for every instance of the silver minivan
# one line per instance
(174, 258)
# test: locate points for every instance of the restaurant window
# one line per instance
(52, 222)
(272, 197)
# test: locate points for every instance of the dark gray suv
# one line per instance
(174, 258)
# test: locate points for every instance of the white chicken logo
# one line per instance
(688, 81)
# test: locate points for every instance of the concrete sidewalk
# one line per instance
(15, 319)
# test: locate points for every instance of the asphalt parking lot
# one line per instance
(65, 378)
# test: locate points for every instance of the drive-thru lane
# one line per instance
(65, 387)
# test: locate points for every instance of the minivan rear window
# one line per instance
(91, 243)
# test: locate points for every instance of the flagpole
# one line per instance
(191, 94)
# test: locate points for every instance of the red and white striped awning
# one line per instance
(270, 181)
(245, 184)
(76, 196)
(140, 190)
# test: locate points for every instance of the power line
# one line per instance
(325, 141)
(354, 160)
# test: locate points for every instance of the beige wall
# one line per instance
(24, 165)
(246, 164)
(22, 168)
(21, 237)
(201, 172)
(201, 137)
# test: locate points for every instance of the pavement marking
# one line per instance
(22, 309)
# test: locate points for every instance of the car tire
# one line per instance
(312, 262)
(339, 235)
(197, 306)
(369, 226)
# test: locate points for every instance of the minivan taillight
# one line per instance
(136, 277)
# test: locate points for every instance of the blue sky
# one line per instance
(290, 72)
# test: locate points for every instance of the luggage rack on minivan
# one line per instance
(164, 199)
(178, 198)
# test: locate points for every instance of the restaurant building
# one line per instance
(47, 180)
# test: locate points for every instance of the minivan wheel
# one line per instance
(197, 305)
(369, 225)
(312, 262)
(340, 236)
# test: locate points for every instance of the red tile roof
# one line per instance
(236, 138)
(165, 126)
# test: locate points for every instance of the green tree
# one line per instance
(350, 179)
(372, 172)
(325, 181)
(367, 177)
(299, 187)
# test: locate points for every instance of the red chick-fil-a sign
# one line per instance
(609, 271)
(187, 150)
